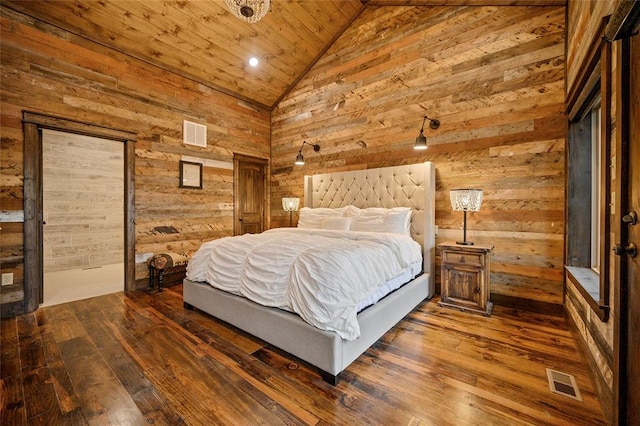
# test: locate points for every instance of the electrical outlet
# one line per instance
(7, 279)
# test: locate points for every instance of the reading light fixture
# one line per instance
(466, 200)
(290, 204)
(421, 140)
(300, 158)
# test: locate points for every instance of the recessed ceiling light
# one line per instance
(253, 61)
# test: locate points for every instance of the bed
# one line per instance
(389, 187)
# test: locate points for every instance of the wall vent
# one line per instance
(194, 134)
(563, 384)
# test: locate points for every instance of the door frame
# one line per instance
(622, 26)
(33, 124)
(241, 158)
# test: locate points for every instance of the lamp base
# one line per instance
(465, 243)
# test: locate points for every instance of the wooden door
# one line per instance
(631, 276)
(624, 26)
(250, 195)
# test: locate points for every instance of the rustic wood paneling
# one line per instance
(584, 18)
(494, 77)
(83, 201)
(203, 41)
(49, 71)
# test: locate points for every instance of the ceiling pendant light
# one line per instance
(250, 11)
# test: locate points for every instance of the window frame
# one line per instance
(593, 83)
(596, 186)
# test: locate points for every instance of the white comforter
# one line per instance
(321, 275)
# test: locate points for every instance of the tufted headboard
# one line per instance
(398, 186)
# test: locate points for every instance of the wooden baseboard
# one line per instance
(604, 394)
(528, 305)
(13, 309)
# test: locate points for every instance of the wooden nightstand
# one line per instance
(465, 282)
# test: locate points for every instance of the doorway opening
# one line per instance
(34, 221)
(83, 216)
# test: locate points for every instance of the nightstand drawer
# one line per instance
(475, 259)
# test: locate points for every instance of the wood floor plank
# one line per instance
(31, 351)
(141, 358)
(12, 406)
(95, 315)
(9, 346)
(39, 393)
(102, 397)
(67, 399)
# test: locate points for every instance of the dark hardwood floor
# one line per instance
(141, 358)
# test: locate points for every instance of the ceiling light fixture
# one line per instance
(300, 158)
(250, 11)
(253, 61)
(421, 140)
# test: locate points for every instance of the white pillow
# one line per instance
(324, 211)
(352, 211)
(310, 221)
(398, 220)
(369, 220)
(312, 218)
(336, 223)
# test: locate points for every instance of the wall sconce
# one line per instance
(421, 140)
(300, 158)
(290, 204)
(466, 200)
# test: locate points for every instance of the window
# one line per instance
(588, 218)
(596, 176)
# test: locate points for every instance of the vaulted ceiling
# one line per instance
(203, 41)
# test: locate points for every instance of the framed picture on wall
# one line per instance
(190, 175)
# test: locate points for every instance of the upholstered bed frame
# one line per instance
(399, 186)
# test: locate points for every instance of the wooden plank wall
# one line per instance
(584, 20)
(494, 77)
(83, 201)
(49, 71)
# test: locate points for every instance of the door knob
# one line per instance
(630, 218)
(631, 249)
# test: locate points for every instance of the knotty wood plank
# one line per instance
(31, 352)
(39, 393)
(493, 76)
(92, 379)
(12, 407)
(9, 344)
(437, 366)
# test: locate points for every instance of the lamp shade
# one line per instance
(421, 142)
(290, 204)
(466, 199)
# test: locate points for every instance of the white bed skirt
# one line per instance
(287, 331)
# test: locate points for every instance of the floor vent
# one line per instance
(563, 384)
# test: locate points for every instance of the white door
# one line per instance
(83, 212)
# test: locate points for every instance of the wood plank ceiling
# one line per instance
(203, 41)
